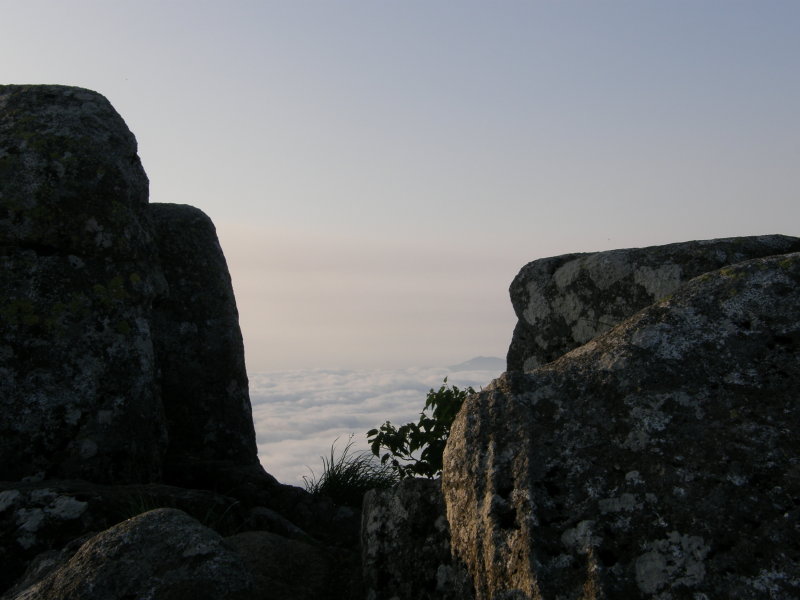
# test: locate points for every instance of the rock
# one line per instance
(72, 183)
(564, 301)
(261, 518)
(44, 564)
(659, 460)
(112, 306)
(198, 343)
(405, 545)
(286, 568)
(162, 553)
(254, 488)
(36, 517)
(78, 274)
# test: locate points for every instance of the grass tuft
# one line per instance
(346, 478)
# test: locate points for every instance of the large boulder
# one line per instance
(659, 460)
(78, 275)
(39, 517)
(161, 554)
(120, 343)
(198, 343)
(564, 301)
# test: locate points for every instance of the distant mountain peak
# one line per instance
(481, 363)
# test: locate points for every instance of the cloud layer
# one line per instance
(299, 414)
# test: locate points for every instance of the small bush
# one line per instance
(346, 478)
(427, 437)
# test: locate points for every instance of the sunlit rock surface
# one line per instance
(564, 301)
(659, 460)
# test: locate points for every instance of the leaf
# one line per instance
(420, 445)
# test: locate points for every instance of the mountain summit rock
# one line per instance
(656, 460)
(643, 442)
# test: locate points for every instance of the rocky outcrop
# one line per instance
(120, 338)
(658, 460)
(163, 553)
(405, 545)
(562, 302)
(122, 377)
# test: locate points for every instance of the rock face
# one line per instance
(405, 545)
(659, 460)
(564, 301)
(79, 274)
(163, 553)
(115, 310)
(195, 326)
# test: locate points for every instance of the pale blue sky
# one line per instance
(379, 171)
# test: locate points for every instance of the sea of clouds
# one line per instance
(299, 414)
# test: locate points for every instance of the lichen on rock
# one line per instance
(162, 553)
(79, 275)
(122, 381)
(650, 462)
(563, 302)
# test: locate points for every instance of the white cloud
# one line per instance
(298, 414)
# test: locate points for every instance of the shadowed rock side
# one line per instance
(78, 275)
(198, 343)
(85, 301)
(405, 545)
(37, 517)
(163, 553)
(288, 568)
(564, 301)
(659, 460)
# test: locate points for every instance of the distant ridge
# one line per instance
(481, 363)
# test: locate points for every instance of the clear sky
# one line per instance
(378, 171)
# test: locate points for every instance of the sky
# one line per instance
(378, 171)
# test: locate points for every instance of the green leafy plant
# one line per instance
(415, 449)
(347, 477)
